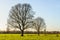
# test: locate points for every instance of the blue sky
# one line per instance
(49, 10)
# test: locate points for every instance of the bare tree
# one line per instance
(20, 16)
(39, 24)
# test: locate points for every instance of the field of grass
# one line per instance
(29, 37)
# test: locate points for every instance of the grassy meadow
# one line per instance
(29, 37)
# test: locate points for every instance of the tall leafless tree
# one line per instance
(20, 16)
(38, 24)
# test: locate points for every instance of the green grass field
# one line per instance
(29, 37)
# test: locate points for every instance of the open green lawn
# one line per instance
(29, 37)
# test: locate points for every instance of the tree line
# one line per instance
(21, 16)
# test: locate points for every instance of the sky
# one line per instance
(49, 10)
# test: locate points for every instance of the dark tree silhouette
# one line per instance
(20, 17)
(39, 24)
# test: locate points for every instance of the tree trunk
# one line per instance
(38, 32)
(45, 32)
(22, 32)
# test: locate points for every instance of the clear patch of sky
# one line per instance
(49, 10)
